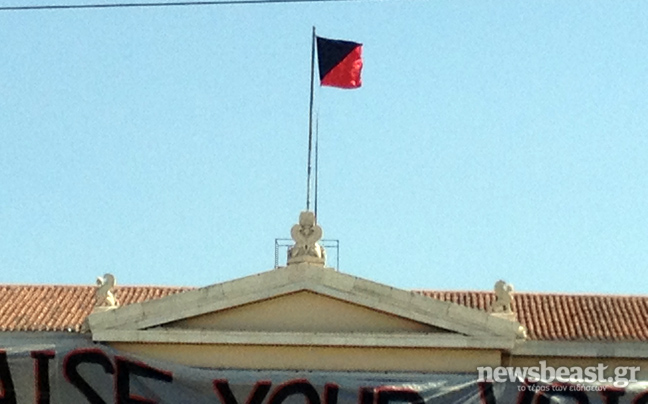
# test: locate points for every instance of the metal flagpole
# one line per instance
(316, 159)
(310, 123)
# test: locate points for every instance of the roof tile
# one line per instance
(568, 317)
(564, 317)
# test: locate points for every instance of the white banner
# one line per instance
(96, 374)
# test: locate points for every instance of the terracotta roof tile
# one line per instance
(568, 317)
(547, 316)
(61, 308)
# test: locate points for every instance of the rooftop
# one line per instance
(547, 316)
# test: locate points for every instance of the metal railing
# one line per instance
(331, 245)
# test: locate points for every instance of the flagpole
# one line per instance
(310, 123)
(316, 159)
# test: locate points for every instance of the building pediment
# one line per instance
(303, 311)
(300, 304)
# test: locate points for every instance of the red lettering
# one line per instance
(486, 394)
(295, 387)
(387, 394)
(366, 395)
(41, 375)
(256, 396)
(331, 393)
(641, 398)
(6, 382)
(126, 368)
(74, 359)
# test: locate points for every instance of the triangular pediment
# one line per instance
(304, 311)
(301, 303)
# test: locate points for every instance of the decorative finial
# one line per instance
(502, 307)
(306, 235)
(105, 292)
(503, 298)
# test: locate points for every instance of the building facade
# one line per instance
(308, 333)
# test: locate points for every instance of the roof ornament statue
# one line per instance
(306, 234)
(502, 306)
(105, 292)
(503, 298)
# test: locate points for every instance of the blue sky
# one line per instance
(490, 140)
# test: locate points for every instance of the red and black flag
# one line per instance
(340, 63)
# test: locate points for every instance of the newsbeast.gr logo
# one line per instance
(623, 375)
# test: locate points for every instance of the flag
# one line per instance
(340, 63)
